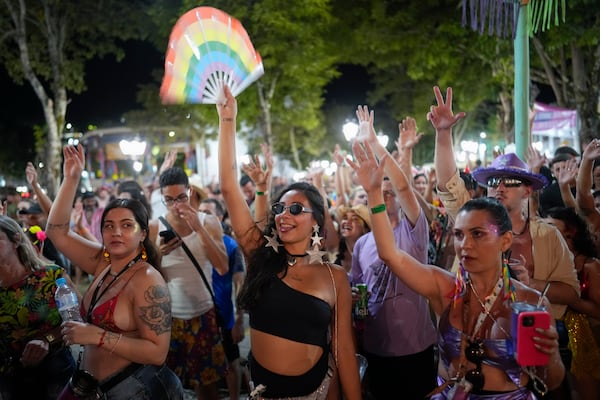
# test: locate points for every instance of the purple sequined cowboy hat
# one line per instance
(510, 165)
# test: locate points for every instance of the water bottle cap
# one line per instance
(61, 281)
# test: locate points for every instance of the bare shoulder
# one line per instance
(339, 273)
(146, 275)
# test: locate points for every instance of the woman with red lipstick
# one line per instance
(292, 295)
(127, 308)
(474, 307)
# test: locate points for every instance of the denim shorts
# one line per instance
(149, 382)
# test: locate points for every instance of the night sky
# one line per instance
(112, 86)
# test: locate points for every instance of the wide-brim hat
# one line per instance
(510, 165)
(196, 183)
(360, 210)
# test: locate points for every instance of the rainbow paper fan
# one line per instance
(207, 49)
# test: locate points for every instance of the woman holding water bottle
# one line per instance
(34, 362)
(127, 308)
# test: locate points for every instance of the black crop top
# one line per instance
(285, 312)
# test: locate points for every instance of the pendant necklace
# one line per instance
(293, 258)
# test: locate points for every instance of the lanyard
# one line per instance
(486, 305)
(96, 297)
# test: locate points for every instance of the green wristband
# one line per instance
(378, 208)
(259, 193)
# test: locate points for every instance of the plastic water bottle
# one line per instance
(67, 301)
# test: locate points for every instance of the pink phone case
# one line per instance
(526, 354)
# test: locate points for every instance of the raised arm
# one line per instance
(341, 176)
(443, 119)
(83, 253)
(400, 182)
(566, 176)
(239, 212)
(262, 180)
(585, 200)
(429, 281)
(32, 178)
(535, 160)
(407, 140)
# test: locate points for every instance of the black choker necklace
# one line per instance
(293, 258)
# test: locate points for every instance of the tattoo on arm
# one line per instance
(64, 226)
(158, 314)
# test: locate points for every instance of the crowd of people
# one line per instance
(448, 258)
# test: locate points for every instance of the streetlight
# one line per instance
(350, 130)
(134, 149)
(383, 140)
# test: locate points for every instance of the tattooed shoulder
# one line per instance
(157, 314)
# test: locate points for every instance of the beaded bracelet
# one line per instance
(101, 341)
(378, 208)
(259, 193)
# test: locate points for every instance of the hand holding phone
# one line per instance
(526, 353)
(167, 235)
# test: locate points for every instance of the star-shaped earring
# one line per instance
(316, 255)
(316, 239)
(272, 240)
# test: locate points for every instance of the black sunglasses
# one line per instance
(295, 208)
(508, 182)
(474, 353)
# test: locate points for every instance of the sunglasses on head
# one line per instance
(474, 353)
(294, 208)
(508, 182)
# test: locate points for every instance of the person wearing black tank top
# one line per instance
(292, 296)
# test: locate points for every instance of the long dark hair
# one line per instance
(264, 263)
(140, 213)
(582, 239)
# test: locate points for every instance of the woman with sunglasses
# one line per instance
(476, 360)
(292, 296)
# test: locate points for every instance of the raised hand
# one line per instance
(366, 120)
(568, 173)
(339, 156)
(442, 116)
(254, 169)
(228, 109)
(535, 159)
(369, 172)
(168, 162)
(31, 174)
(592, 151)
(74, 161)
(407, 134)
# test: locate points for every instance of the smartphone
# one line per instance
(167, 235)
(525, 352)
